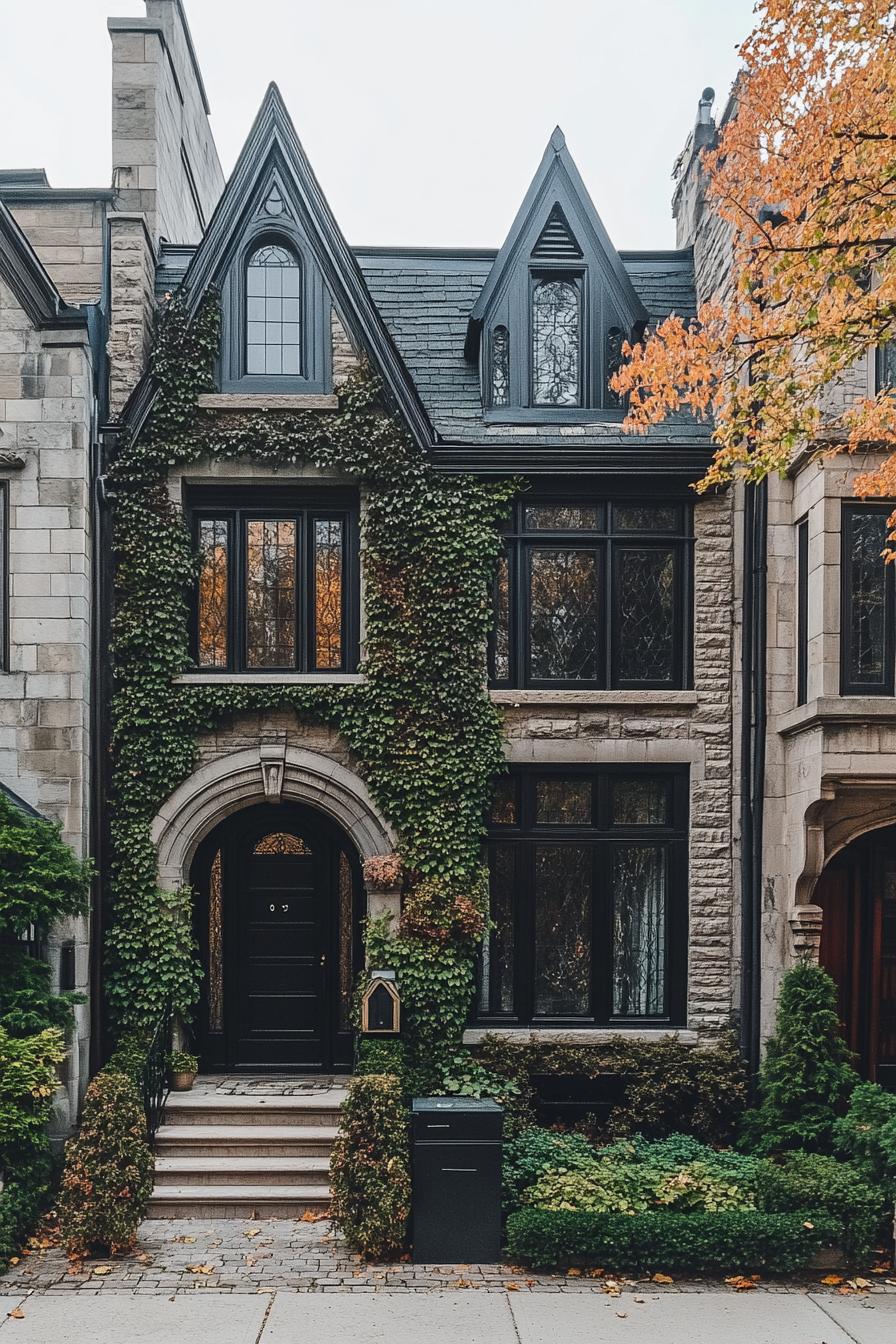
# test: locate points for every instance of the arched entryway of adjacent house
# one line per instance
(277, 920)
(857, 893)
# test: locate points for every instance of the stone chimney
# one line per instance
(698, 224)
(165, 173)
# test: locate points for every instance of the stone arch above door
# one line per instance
(273, 771)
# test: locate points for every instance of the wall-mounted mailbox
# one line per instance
(381, 1006)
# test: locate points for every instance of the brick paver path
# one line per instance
(240, 1256)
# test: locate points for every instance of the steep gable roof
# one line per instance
(556, 220)
(273, 152)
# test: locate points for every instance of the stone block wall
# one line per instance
(67, 235)
(45, 423)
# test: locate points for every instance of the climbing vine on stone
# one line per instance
(421, 723)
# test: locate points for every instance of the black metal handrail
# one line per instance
(154, 1081)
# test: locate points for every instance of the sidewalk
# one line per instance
(460, 1317)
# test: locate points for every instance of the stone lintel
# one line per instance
(267, 401)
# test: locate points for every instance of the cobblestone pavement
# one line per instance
(240, 1256)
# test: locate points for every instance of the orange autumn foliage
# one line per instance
(814, 138)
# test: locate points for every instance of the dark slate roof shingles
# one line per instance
(425, 298)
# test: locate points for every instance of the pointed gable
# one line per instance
(281, 262)
(557, 303)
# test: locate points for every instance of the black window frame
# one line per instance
(887, 684)
(237, 506)
(881, 358)
(607, 541)
(802, 611)
(601, 835)
(5, 583)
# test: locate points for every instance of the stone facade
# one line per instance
(46, 429)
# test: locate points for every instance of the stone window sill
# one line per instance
(270, 679)
(833, 709)
(579, 1035)
(601, 699)
(267, 401)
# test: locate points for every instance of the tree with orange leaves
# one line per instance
(804, 174)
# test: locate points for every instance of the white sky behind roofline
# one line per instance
(424, 120)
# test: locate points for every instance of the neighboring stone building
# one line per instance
(621, 895)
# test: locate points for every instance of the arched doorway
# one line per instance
(857, 893)
(277, 922)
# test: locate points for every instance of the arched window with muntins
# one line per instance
(500, 367)
(273, 321)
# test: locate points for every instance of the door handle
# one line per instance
(323, 958)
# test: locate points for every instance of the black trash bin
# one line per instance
(456, 1205)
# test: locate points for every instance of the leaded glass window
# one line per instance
(645, 586)
(500, 366)
(270, 592)
(591, 594)
(564, 614)
(329, 548)
(276, 588)
(588, 896)
(273, 320)
(216, 946)
(615, 339)
(867, 614)
(555, 343)
(214, 560)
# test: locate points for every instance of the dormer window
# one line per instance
(549, 323)
(555, 342)
(273, 312)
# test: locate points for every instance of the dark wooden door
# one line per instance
(278, 914)
(857, 892)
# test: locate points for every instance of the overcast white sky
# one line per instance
(424, 119)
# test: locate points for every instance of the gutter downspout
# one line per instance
(754, 717)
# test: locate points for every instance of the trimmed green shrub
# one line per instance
(129, 1056)
(370, 1171)
(632, 1187)
(867, 1135)
(107, 1179)
(806, 1077)
(535, 1151)
(27, 1004)
(385, 1056)
(27, 1083)
(816, 1181)
(666, 1086)
(737, 1241)
(680, 1150)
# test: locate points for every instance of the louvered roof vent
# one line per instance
(556, 241)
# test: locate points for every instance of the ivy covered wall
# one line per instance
(421, 723)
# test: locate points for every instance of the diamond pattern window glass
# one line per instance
(555, 343)
(271, 592)
(645, 591)
(867, 602)
(593, 594)
(329, 547)
(273, 321)
(588, 924)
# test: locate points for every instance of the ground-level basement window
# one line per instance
(588, 898)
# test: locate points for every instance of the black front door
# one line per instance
(278, 934)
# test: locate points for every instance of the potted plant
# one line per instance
(383, 872)
(183, 1068)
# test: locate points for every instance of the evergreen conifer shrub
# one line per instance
(806, 1077)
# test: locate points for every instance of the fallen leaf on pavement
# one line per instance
(253, 1232)
(200, 1269)
(663, 1278)
(622, 1315)
(740, 1283)
(832, 1280)
(573, 1273)
(102, 1269)
(17, 1314)
(512, 1287)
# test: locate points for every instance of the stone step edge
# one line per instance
(227, 1163)
(244, 1195)
(247, 1133)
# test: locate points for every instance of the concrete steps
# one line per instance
(223, 1155)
